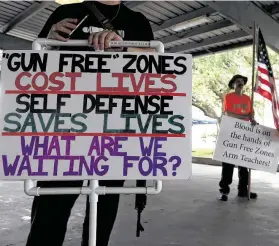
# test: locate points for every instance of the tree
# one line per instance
(211, 75)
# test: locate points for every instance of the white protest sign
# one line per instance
(81, 115)
(244, 145)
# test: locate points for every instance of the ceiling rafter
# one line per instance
(243, 14)
(273, 10)
(24, 15)
(181, 18)
(134, 4)
(209, 41)
(222, 48)
(197, 31)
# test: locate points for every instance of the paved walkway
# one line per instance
(186, 213)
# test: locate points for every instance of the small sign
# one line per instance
(244, 145)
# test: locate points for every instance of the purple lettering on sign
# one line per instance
(62, 157)
(99, 146)
(34, 146)
(10, 169)
(107, 143)
(159, 163)
(118, 146)
(146, 150)
(53, 160)
(147, 163)
(40, 167)
(127, 164)
(25, 148)
(71, 171)
(43, 146)
(25, 165)
(55, 167)
(95, 145)
(54, 145)
(68, 140)
(101, 169)
(84, 165)
(176, 161)
(158, 145)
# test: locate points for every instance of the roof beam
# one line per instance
(134, 4)
(181, 18)
(197, 31)
(24, 15)
(209, 41)
(215, 50)
(243, 14)
(273, 9)
(8, 42)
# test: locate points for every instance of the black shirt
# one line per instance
(131, 25)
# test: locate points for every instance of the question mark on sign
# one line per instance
(268, 163)
(176, 164)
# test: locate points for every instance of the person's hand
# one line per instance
(253, 122)
(101, 40)
(65, 26)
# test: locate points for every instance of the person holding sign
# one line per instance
(238, 105)
(50, 213)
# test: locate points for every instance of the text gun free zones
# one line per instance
(75, 115)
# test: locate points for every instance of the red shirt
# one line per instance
(237, 104)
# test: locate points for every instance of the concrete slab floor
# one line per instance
(186, 213)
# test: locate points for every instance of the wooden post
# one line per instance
(255, 45)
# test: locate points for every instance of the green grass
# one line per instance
(208, 153)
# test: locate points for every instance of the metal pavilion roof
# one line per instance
(25, 19)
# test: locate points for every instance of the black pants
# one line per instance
(227, 177)
(50, 215)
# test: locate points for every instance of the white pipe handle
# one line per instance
(39, 43)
